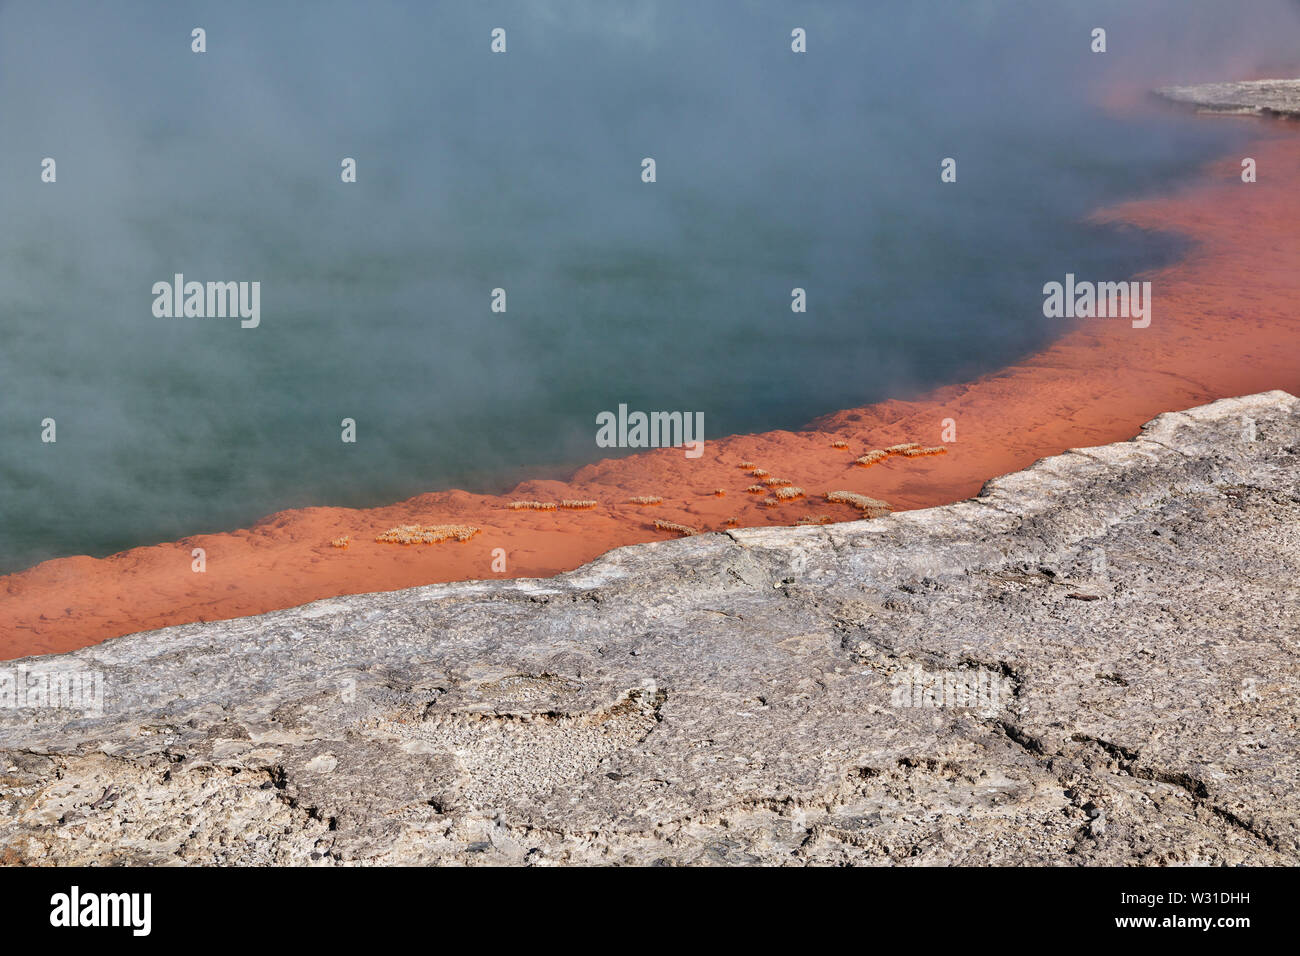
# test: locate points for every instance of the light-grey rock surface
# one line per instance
(1130, 615)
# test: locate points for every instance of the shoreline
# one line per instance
(1223, 326)
(1091, 664)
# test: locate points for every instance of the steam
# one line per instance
(521, 171)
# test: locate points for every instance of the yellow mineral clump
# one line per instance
(683, 530)
(427, 533)
(870, 507)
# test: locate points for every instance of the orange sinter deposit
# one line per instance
(1224, 322)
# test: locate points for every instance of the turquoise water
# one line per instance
(522, 171)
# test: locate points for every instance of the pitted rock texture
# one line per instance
(1130, 613)
(1270, 97)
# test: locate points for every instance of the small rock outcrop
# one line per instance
(1264, 97)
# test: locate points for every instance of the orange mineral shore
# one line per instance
(1224, 323)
